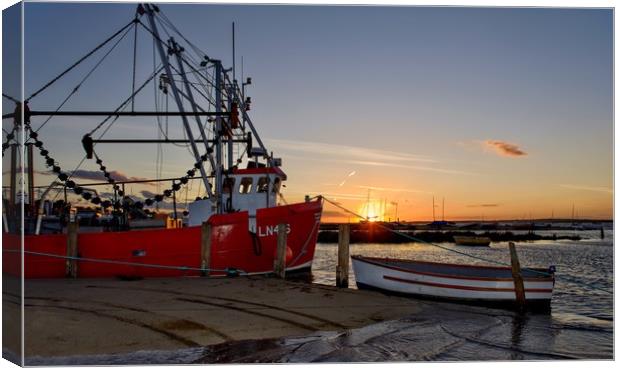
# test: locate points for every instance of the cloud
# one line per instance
(484, 205)
(505, 148)
(147, 194)
(346, 151)
(335, 214)
(97, 175)
(334, 196)
(382, 164)
(384, 189)
(588, 188)
(348, 176)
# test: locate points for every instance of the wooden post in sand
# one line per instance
(72, 249)
(205, 248)
(516, 275)
(279, 266)
(342, 270)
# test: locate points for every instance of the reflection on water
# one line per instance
(581, 321)
(583, 268)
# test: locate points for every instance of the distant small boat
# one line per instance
(481, 241)
(493, 286)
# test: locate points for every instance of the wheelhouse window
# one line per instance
(246, 186)
(276, 185)
(227, 185)
(263, 185)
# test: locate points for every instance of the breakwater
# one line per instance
(380, 235)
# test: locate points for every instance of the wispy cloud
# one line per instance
(384, 189)
(337, 150)
(382, 164)
(348, 176)
(408, 167)
(503, 148)
(339, 195)
(319, 151)
(335, 214)
(147, 194)
(483, 205)
(97, 175)
(588, 188)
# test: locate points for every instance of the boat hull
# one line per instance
(473, 285)
(175, 252)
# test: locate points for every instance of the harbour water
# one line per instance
(581, 321)
(580, 325)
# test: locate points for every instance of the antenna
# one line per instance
(233, 50)
(433, 208)
(368, 206)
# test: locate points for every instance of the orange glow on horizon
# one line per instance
(372, 211)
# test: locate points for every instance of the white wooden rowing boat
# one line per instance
(466, 283)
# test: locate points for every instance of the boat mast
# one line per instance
(229, 143)
(443, 209)
(162, 54)
(218, 134)
(189, 95)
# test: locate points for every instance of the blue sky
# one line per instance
(417, 101)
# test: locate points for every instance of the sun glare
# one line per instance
(371, 211)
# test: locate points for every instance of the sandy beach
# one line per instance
(82, 317)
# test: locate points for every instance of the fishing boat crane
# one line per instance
(241, 203)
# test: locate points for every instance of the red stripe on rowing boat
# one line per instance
(474, 288)
(532, 279)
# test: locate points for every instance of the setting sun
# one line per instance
(373, 211)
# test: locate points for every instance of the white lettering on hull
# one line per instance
(271, 230)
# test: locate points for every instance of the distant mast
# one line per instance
(368, 206)
(443, 209)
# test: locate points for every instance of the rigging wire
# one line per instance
(135, 46)
(10, 98)
(119, 108)
(181, 56)
(77, 87)
(195, 48)
(80, 60)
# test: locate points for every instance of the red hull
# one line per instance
(233, 246)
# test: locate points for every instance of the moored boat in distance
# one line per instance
(480, 241)
(472, 284)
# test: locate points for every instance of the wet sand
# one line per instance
(85, 316)
(257, 319)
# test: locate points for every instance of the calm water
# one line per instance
(581, 321)
(580, 325)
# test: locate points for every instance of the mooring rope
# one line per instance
(127, 263)
(456, 251)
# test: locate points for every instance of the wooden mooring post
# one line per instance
(342, 270)
(279, 266)
(72, 249)
(516, 275)
(205, 248)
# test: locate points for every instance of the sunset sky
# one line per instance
(504, 112)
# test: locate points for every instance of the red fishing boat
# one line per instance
(242, 206)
